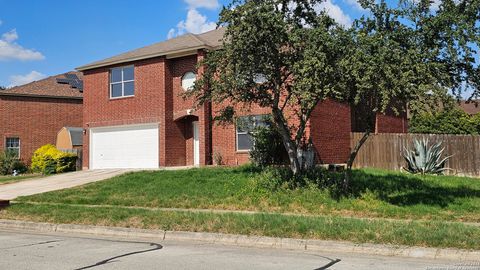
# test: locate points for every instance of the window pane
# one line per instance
(188, 80)
(117, 90)
(128, 73)
(245, 124)
(13, 142)
(15, 151)
(116, 75)
(261, 121)
(244, 142)
(128, 89)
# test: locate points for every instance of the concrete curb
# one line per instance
(246, 241)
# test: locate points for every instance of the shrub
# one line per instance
(9, 162)
(453, 121)
(268, 147)
(276, 178)
(66, 162)
(48, 160)
(425, 158)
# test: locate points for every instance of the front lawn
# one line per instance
(407, 209)
(415, 233)
(375, 193)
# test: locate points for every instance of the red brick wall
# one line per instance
(388, 122)
(146, 106)
(391, 123)
(36, 121)
(157, 100)
(330, 130)
(180, 137)
(224, 137)
(329, 127)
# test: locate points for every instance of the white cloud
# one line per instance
(10, 36)
(195, 23)
(171, 33)
(16, 80)
(335, 12)
(9, 49)
(209, 4)
(355, 4)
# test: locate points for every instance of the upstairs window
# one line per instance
(188, 80)
(13, 145)
(122, 83)
(245, 126)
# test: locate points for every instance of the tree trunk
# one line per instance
(351, 159)
(287, 141)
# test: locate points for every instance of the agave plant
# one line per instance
(425, 159)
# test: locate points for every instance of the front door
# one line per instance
(196, 144)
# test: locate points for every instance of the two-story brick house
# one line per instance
(134, 115)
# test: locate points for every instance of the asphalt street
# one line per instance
(23, 250)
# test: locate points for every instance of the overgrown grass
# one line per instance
(418, 233)
(375, 193)
(12, 179)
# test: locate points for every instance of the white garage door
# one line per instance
(124, 147)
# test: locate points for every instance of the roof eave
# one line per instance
(38, 96)
(169, 54)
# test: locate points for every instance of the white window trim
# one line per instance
(122, 82)
(245, 133)
(19, 145)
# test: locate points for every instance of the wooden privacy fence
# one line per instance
(385, 151)
(78, 152)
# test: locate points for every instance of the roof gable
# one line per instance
(184, 43)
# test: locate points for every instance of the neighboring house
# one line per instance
(32, 114)
(135, 117)
(470, 107)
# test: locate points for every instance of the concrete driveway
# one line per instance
(55, 182)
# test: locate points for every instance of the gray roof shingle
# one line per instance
(184, 43)
(48, 87)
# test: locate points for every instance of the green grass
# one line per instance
(418, 233)
(375, 193)
(13, 179)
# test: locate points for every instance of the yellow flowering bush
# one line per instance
(49, 160)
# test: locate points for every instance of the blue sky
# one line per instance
(48, 37)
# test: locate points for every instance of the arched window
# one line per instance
(188, 79)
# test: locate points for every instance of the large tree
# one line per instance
(288, 55)
(411, 57)
(282, 55)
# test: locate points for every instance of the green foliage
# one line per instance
(65, 162)
(295, 50)
(454, 121)
(49, 160)
(276, 178)
(268, 148)
(9, 162)
(389, 59)
(425, 159)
